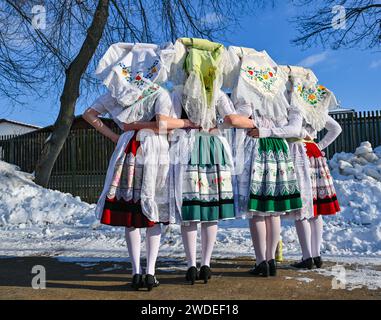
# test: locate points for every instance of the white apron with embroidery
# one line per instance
(258, 90)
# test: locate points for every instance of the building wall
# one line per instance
(12, 128)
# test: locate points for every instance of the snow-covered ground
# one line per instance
(37, 221)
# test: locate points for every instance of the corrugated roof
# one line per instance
(20, 123)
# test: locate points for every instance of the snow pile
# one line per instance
(363, 164)
(357, 229)
(23, 203)
(353, 277)
(34, 220)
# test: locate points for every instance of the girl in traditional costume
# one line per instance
(135, 195)
(267, 184)
(311, 102)
(202, 160)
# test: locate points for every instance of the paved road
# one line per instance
(108, 280)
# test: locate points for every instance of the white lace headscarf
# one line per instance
(133, 74)
(311, 98)
(256, 80)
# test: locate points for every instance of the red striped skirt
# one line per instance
(126, 180)
(323, 190)
(124, 213)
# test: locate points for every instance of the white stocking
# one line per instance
(208, 238)
(153, 236)
(258, 235)
(133, 240)
(303, 229)
(316, 235)
(189, 235)
(272, 236)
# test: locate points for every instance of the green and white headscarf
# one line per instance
(198, 65)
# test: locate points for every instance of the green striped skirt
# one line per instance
(207, 183)
(273, 187)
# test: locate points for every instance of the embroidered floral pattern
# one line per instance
(265, 76)
(138, 78)
(150, 90)
(140, 81)
(126, 71)
(312, 95)
(152, 70)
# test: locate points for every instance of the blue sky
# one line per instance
(353, 75)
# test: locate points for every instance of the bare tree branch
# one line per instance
(63, 55)
(362, 24)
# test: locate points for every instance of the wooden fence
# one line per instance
(357, 127)
(81, 166)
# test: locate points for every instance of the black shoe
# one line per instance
(151, 282)
(137, 281)
(272, 267)
(318, 261)
(191, 275)
(261, 270)
(205, 274)
(304, 264)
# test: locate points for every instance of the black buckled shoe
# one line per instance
(261, 270)
(272, 268)
(151, 281)
(137, 281)
(318, 261)
(304, 264)
(205, 273)
(191, 275)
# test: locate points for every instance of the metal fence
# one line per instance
(82, 164)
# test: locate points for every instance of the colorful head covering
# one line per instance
(312, 99)
(202, 77)
(133, 74)
(256, 80)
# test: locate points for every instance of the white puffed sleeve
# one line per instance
(292, 130)
(163, 103)
(103, 103)
(333, 131)
(224, 105)
(244, 110)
